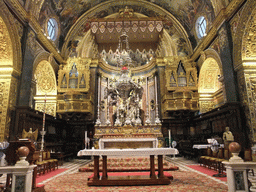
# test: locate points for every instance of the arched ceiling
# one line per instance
(184, 12)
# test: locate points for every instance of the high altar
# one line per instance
(125, 116)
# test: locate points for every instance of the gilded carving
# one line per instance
(128, 132)
(206, 106)
(45, 78)
(6, 53)
(250, 80)
(250, 39)
(4, 116)
(50, 108)
(13, 93)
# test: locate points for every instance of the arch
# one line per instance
(45, 87)
(12, 39)
(78, 26)
(210, 88)
(43, 55)
(10, 67)
(246, 14)
(245, 63)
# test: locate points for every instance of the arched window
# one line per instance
(52, 28)
(201, 27)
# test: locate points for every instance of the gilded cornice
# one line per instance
(24, 17)
(225, 14)
(17, 8)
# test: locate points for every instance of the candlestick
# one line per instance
(98, 123)
(108, 120)
(157, 120)
(169, 137)
(43, 132)
(147, 110)
(85, 139)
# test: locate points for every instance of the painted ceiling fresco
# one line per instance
(185, 11)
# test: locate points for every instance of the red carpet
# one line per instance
(45, 176)
(207, 171)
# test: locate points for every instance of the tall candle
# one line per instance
(85, 138)
(169, 137)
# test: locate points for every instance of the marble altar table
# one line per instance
(104, 180)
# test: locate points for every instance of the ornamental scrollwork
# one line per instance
(45, 77)
(250, 39)
(6, 53)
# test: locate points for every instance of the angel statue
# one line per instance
(30, 135)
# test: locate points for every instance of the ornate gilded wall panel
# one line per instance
(46, 80)
(245, 64)
(250, 82)
(5, 118)
(6, 53)
(249, 39)
(210, 87)
(8, 84)
(46, 88)
(50, 108)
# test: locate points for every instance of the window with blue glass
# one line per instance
(52, 28)
(201, 25)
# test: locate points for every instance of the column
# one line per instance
(229, 81)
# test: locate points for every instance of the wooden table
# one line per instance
(106, 180)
